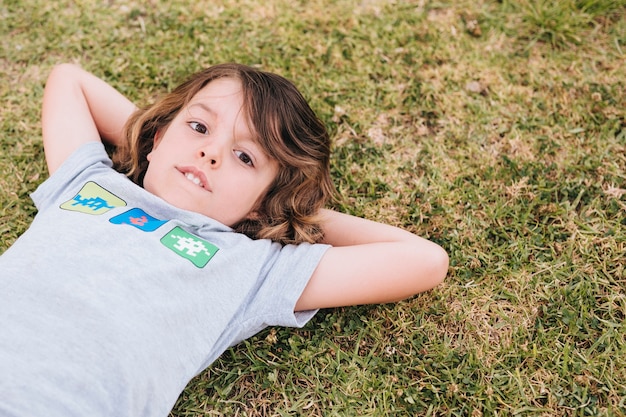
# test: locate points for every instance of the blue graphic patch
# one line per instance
(138, 218)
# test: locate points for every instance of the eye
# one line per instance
(244, 157)
(198, 127)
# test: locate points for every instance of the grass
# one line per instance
(495, 128)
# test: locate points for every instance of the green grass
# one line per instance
(495, 128)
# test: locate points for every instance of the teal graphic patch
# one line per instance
(138, 218)
(190, 247)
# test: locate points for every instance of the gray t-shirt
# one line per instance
(114, 299)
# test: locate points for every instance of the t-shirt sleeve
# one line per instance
(91, 155)
(286, 277)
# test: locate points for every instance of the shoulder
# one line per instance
(77, 168)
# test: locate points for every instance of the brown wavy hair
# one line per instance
(287, 129)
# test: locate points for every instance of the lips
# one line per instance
(195, 176)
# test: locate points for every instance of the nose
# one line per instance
(212, 153)
(212, 160)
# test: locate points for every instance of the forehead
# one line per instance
(226, 90)
(222, 98)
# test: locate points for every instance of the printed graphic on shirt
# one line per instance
(191, 247)
(93, 199)
(138, 218)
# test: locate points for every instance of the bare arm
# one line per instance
(371, 263)
(79, 108)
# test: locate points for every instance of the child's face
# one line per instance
(207, 160)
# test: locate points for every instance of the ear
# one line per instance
(253, 215)
(156, 140)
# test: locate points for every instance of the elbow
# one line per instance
(441, 263)
(430, 269)
(64, 69)
(437, 261)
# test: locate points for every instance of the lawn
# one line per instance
(495, 128)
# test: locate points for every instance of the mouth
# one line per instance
(195, 176)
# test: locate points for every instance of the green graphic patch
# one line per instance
(191, 247)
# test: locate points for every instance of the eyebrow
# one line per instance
(204, 107)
